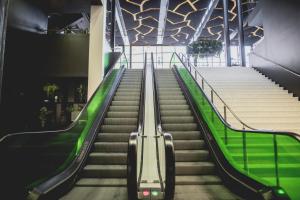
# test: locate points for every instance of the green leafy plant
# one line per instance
(204, 48)
(50, 89)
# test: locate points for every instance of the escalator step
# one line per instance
(120, 121)
(116, 147)
(198, 180)
(195, 168)
(107, 158)
(102, 182)
(115, 137)
(186, 135)
(122, 114)
(191, 155)
(180, 127)
(105, 171)
(189, 144)
(125, 103)
(177, 120)
(124, 108)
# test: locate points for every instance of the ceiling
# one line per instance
(141, 19)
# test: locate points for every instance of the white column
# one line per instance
(96, 48)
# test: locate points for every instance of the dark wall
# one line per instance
(31, 60)
(281, 44)
(281, 29)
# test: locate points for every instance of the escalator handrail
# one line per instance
(253, 130)
(134, 179)
(168, 142)
(74, 123)
(47, 187)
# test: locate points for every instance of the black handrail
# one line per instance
(168, 142)
(279, 65)
(253, 130)
(133, 178)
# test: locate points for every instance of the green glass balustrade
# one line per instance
(270, 158)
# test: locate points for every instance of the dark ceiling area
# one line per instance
(183, 17)
(142, 19)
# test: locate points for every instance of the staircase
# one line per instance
(104, 176)
(254, 98)
(196, 175)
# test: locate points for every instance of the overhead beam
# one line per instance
(113, 27)
(121, 23)
(212, 5)
(163, 13)
(3, 26)
(226, 33)
(241, 34)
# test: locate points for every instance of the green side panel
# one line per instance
(251, 153)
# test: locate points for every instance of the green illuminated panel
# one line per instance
(253, 154)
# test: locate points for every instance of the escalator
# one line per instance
(105, 173)
(196, 173)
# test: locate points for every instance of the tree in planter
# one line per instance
(204, 48)
(50, 89)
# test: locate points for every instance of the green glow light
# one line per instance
(154, 193)
(280, 191)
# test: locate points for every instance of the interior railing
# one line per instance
(136, 147)
(268, 157)
(166, 158)
(43, 161)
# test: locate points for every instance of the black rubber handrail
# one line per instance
(168, 142)
(134, 178)
(66, 178)
(253, 130)
(279, 65)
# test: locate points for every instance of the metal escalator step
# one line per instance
(174, 107)
(186, 135)
(172, 102)
(112, 147)
(112, 137)
(105, 171)
(123, 114)
(120, 121)
(96, 158)
(198, 180)
(125, 103)
(118, 128)
(191, 155)
(189, 144)
(177, 120)
(102, 182)
(180, 127)
(170, 97)
(175, 113)
(126, 98)
(124, 108)
(195, 168)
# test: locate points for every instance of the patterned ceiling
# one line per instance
(141, 19)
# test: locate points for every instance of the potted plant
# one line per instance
(204, 48)
(50, 90)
